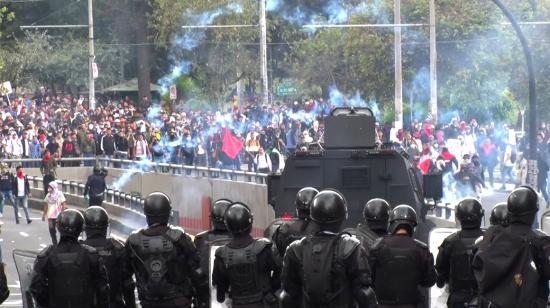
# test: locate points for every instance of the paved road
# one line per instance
(34, 236)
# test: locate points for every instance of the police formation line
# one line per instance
(307, 262)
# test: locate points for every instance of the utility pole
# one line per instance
(433, 63)
(263, 53)
(91, 60)
(398, 67)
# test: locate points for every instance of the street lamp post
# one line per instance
(263, 52)
(532, 157)
(91, 56)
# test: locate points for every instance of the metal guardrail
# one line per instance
(167, 168)
(116, 197)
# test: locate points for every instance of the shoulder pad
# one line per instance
(449, 239)
(220, 251)
(201, 235)
(175, 233)
(45, 252)
(349, 244)
(540, 233)
(378, 243)
(350, 231)
(90, 249)
(261, 243)
(116, 243)
(478, 241)
(133, 237)
(297, 246)
(421, 244)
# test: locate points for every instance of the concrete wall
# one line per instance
(191, 197)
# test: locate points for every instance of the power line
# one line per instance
(219, 26)
(365, 25)
(53, 26)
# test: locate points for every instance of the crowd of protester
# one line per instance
(253, 137)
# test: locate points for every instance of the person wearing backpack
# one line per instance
(293, 229)
(327, 269)
(376, 214)
(245, 269)
(401, 264)
(69, 274)
(164, 260)
(453, 263)
(114, 255)
(512, 265)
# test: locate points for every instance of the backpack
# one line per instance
(324, 276)
(505, 270)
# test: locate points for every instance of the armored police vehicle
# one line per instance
(352, 162)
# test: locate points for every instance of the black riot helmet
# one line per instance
(157, 209)
(70, 223)
(239, 218)
(96, 221)
(403, 216)
(377, 213)
(499, 215)
(469, 212)
(218, 212)
(523, 204)
(303, 200)
(329, 209)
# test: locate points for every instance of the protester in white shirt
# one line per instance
(262, 161)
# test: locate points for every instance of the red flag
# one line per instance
(231, 144)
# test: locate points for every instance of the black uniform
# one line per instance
(453, 266)
(365, 235)
(512, 264)
(202, 242)
(120, 279)
(69, 275)
(540, 244)
(294, 229)
(401, 264)
(324, 270)
(327, 269)
(167, 267)
(95, 188)
(243, 268)
(219, 232)
(454, 261)
(290, 231)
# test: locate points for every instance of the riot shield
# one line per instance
(24, 262)
(213, 302)
(545, 222)
(438, 297)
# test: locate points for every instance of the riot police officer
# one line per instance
(243, 267)
(164, 260)
(453, 263)
(95, 187)
(401, 264)
(327, 269)
(499, 215)
(295, 228)
(219, 232)
(69, 274)
(520, 277)
(376, 213)
(114, 257)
